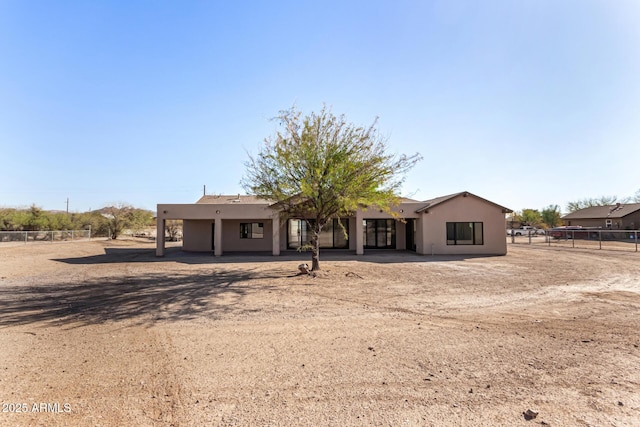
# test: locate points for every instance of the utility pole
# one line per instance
(67, 206)
(204, 190)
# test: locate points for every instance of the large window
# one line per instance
(379, 233)
(331, 237)
(251, 230)
(464, 233)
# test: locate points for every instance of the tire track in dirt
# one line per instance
(107, 376)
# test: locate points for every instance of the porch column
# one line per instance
(420, 238)
(217, 238)
(359, 231)
(275, 233)
(160, 222)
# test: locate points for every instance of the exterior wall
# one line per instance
(631, 222)
(599, 222)
(352, 233)
(283, 233)
(197, 235)
(208, 211)
(401, 235)
(463, 209)
(431, 233)
(420, 248)
(231, 241)
(405, 210)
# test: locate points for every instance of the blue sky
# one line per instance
(525, 103)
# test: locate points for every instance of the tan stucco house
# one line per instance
(460, 223)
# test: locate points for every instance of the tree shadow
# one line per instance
(379, 256)
(142, 299)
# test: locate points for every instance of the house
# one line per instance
(616, 217)
(460, 223)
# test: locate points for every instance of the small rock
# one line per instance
(529, 414)
(620, 403)
(304, 268)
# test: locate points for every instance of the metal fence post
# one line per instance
(529, 236)
(600, 238)
(26, 237)
(636, 239)
(573, 239)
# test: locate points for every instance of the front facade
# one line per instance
(615, 217)
(460, 223)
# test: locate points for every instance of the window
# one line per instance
(331, 236)
(251, 230)
(464, 233)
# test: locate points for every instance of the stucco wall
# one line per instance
(231, 241)
(197, 235)
(464, 209)
(352, 234)
(430, 235)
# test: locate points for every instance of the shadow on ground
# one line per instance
(145, 299)
(126, 255)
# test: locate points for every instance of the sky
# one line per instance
(524, 103)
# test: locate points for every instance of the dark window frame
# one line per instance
(455, 237)
(247, 230)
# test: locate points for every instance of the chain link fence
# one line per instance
(25, 237)
(620, 240)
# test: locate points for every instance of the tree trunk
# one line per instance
(315, 253)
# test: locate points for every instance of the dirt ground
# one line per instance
(105, 334)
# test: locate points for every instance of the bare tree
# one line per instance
(590, 202)
(173, 228)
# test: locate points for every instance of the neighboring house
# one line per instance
(616, 217)
(460, 223)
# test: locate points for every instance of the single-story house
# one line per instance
(460, 223)
(616, 217)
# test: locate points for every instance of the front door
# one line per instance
(411, 234)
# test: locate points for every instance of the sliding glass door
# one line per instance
(331, 237)
(379, 233)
